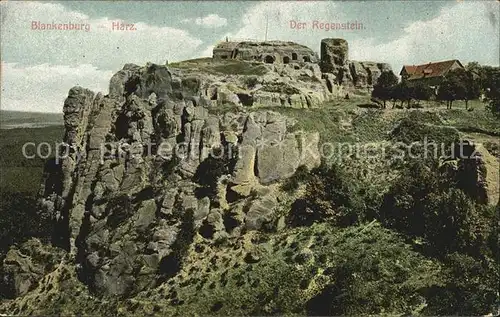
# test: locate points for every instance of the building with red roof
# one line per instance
(431, 73)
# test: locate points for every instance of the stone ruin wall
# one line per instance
(340, 73)
(270, 52)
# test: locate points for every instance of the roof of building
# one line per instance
(408, 68)
(429, 70)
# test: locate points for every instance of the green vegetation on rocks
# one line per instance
(277, 230)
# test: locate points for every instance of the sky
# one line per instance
(38, 67)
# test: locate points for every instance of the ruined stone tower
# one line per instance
(335, 60)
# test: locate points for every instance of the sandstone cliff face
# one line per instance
(335, 60)
(150, 166)
(334, 54)
(297, 85)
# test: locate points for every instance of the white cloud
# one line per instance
(207, 52)
(278, 15)
(463, 31)
(209, 21)
(48, 63)
(43, 88)
(100, 46)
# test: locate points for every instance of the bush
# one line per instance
(19, 220)
(301, 175)
(329, 196)
(220, 162)
(374, 273)
(471, 288)
(494, 107)
(424, 203)
(251, 81)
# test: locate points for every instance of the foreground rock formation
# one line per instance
(151, 164)
(170, 200)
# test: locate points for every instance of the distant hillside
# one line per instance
(20, 119)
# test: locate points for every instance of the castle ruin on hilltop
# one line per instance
(268, 52)
(337, 69)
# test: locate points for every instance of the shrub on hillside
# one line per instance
(374, 273)
(329, 195)
(300, 176)
(220, 162)
(317, 270)
(409, 131)
(424, 203)
(470, 288)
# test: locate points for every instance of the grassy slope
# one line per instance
(20, 180)
(10, 119)
(340, 121)
(17, 173)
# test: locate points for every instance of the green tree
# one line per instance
(484, 76)
(329, 195)
(488, 82)
(452, 88)
(459, 84)
(493, 94)
(385, 83)
(401, 92)
(422, 91)
(426, 204)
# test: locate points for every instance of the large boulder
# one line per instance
(359, 74)
(277, 160)
(25, 265)
(261, 211)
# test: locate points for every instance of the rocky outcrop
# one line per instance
(153, 167)
(270, 52)
(334, 60)
(332, 70)
(334, 52)
(297, 85)
(367, 73)
(477, 172)
(334, 55)
(25, 265)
